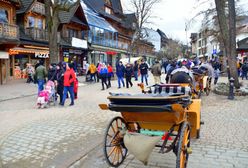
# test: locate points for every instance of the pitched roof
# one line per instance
(162, 34)
(128, 20)
(68, 16)
(116, 4)
(94, 19)
(95, 5)
(25, 4)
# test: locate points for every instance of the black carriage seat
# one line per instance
(171, 89)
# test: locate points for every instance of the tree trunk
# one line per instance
(52, 23)
(232, 42)
(225, 34)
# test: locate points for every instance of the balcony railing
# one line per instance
(37, 34)
(8, 31)
(39, 8)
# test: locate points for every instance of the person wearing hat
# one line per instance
(120, 71)
(156, 71)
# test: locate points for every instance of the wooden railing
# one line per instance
(8, 31)
(37, 34)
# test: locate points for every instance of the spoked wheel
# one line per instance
(114, 148)
(183, 147)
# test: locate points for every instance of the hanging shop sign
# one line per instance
(78, 52)
(75, 42)
(41, 55)
(4, 55)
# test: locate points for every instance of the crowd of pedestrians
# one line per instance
(64, 76)
(124, 73)
(61, 75)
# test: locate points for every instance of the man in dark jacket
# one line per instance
(120, 70)
(156, 71)
(128, 74)
(143, 71)
(40, 75)
(244, 69)
(52, 72)
(135, 70)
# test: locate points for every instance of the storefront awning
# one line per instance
(37, 52)
(111, 52)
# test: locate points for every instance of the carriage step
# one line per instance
(202, 123)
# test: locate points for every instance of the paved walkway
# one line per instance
(56, 137)
(19, 88)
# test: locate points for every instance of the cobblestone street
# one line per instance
(72, 136)
(223, 141)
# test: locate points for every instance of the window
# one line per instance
(4, 16)
(200, 35)
(72, 33)
(39, 23)
(31, 21)
(108, 10)
(199, 44)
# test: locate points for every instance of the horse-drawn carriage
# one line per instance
(166, 112)
(202, 82)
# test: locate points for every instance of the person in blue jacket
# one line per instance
(103, 75)
(120, 71)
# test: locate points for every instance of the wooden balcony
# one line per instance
(37, 34)
(9, 32)
(38, 8)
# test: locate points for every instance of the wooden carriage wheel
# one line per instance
(183, 146)
(114, 149)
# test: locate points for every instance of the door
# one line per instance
(3, 71)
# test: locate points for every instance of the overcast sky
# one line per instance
(172, 15)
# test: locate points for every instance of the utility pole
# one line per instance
(186, 32)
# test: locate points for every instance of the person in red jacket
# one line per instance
(110, 74)
(69, 80)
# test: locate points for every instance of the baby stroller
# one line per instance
(47, 96)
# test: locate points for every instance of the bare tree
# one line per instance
(172, 50)
(53, 8)
(228, 34)
(143, 12)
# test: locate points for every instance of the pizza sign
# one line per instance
(41, 55)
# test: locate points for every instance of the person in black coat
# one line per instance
(52, 72)
(60, 81)
(136, 70)
(128, 74)
(144, 71)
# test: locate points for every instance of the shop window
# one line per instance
(31, 21)
(4, 15)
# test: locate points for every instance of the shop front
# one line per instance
(20, 57)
